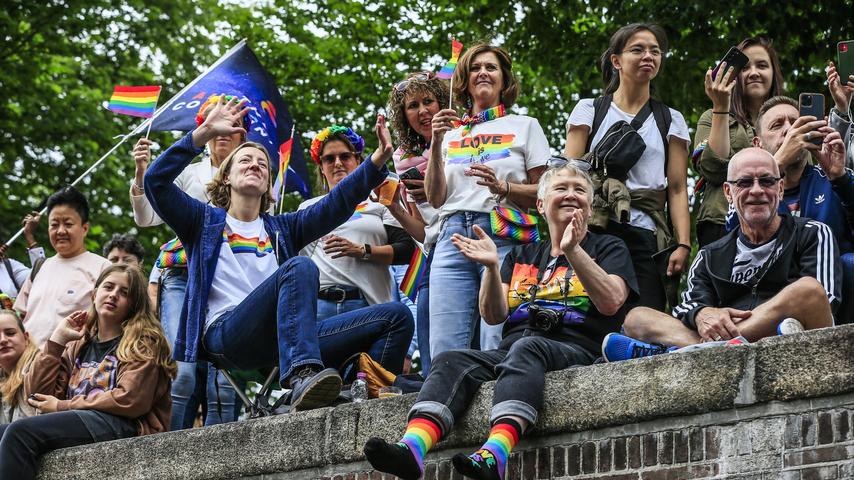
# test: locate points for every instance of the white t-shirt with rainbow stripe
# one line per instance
(246, 259)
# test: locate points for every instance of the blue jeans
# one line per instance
(194, 381)
(397, 273)
(422, 319)
(454, 287)
(328, 308)
(277, 322)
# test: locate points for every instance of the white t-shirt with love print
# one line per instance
(511, 145)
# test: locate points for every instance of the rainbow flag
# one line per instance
(284, 160)
(134, 101)
(448, 70)
(412, 277)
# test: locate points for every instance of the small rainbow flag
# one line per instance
(412, 277)
(448, 70)
(284, 160)
(134, 101)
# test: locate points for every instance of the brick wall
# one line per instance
(815, 444)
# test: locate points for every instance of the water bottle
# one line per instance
(359, 389)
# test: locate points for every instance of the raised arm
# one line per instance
(311, 223)
(492, 298)
(435, 185)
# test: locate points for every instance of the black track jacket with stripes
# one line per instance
(809, 250)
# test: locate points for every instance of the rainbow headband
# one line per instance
(353, 137)
(213, 99)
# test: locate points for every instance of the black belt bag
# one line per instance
(339, 294)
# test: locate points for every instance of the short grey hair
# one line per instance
(572, 170)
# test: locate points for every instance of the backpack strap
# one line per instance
(600, 110)
(661, 114)
(11, 273)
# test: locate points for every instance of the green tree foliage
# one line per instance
(335, 62)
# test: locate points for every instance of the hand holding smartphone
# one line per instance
(734, 58)
(812, 104)
(845, 60)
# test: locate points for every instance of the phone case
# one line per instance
(845, 60)
(811, 104)
(733, 58)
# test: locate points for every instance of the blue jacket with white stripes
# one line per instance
(808, 249)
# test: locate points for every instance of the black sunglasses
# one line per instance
(558, 161)
(765, 181)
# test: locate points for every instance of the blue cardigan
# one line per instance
(200, 227)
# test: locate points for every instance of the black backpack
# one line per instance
(621, 147)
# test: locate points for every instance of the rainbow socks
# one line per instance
(490, 462)
(406, 457)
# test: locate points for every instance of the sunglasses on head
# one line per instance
(420, 77)
(559, 161)
(765, 181)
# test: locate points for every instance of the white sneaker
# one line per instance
(789, 326)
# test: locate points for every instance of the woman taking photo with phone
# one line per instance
(728, 126)
(483, 170)
(657, 182)
(104, 374)
(17, 352)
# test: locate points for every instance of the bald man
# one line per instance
(772, 267)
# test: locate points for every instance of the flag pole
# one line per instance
(78, 180)
(150, 119)
(285, 173)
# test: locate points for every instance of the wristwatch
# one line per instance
(367, 253)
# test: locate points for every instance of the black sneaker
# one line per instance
(313, 388)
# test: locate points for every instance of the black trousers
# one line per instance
(708, 232)
(642, 246)
(23, 442)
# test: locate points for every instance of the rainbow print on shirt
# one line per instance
(240, 244)
(480, 148)
(525, 276)
(360, 209)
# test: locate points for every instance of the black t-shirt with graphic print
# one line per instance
(583, 324)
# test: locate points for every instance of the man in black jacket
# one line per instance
(771, 268)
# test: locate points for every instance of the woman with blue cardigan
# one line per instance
(251, 300)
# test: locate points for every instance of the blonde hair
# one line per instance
(142, 336)
(220, 192)
(13, 381)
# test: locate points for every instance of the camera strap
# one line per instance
(544, 264)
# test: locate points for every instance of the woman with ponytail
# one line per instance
(104, 374)
(657, 183)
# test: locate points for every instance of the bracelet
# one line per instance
(720, 113)
(683, 245)
(507, 194)
(32, 245)
(137, 187)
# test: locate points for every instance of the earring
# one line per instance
(469, 103)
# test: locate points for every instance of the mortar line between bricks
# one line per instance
(717, 418)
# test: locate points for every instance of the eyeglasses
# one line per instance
(559, 161)
(765, 181)
(420, 77)
(345, 157)
(639, 51)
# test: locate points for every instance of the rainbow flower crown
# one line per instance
(353, 137)
(213, 99)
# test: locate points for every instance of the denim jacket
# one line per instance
(200, 227)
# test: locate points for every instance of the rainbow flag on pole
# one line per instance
(448, 70)
(284, 160)
(412, 277)
(134, 101)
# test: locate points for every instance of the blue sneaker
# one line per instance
(616, 347)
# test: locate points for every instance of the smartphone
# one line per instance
(734, 58)
(845, 60)
(412, 174)
(811, 104)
